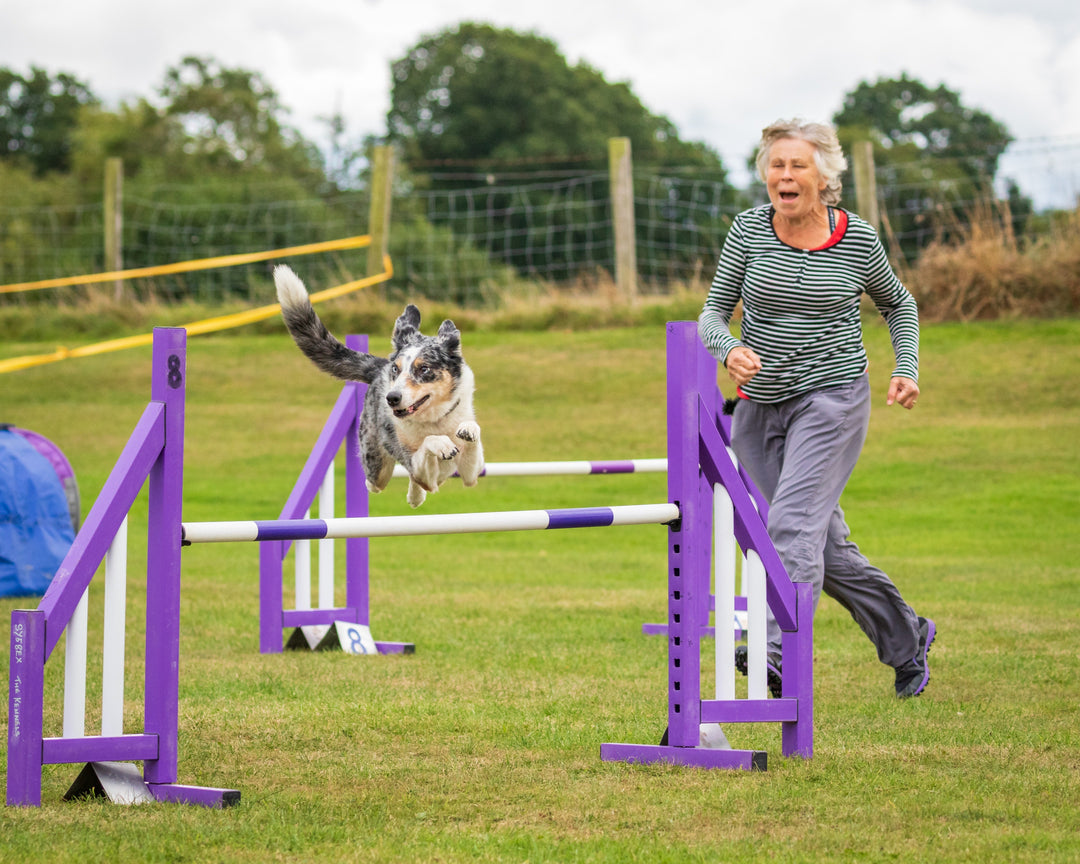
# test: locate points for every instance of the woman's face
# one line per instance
(792, 178)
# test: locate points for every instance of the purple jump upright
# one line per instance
(341, 426)
(698, 459)
(154, 453)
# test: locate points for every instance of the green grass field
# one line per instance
(484, 745)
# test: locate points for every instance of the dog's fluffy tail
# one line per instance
(310, 334)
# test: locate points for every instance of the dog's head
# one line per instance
(424, 371)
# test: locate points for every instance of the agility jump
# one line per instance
(697, 462)
(315, 489)
(152, 455)
(693, 401)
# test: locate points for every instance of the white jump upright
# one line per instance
(112, 661)
(112, 658)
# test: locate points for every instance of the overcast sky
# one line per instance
(719, 70)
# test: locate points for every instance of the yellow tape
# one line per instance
(189, 266)
(196, 328)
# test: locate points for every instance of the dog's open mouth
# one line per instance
(412, 409)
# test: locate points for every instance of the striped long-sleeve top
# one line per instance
(801, 307)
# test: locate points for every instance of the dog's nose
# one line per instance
(393, 398)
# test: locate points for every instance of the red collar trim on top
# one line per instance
(838, 232)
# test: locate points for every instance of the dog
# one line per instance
(418, 410)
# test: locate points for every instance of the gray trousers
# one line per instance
(801, 453)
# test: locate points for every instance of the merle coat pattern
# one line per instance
(418, 411)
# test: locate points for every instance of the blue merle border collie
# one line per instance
(418, 410)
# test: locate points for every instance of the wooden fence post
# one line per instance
(621, 172)
(865, 183)
(382, 184)
(114, 220)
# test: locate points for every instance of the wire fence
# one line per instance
(50, 242)
(469, 237)
(556, 227)
(46, 242)
(156, 232)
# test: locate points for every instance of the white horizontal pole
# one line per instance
(407, 526)
(524, 469)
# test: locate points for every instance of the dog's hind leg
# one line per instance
(378, 460)
(416, 494)
(377, 474)
(470, 461)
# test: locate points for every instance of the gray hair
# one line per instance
(827, 153)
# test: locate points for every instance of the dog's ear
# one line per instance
(450, 336)
(407, 327)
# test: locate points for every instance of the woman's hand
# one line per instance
(903, 390)
(742, 365)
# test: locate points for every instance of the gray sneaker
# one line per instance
(913, 676)
(772, 669)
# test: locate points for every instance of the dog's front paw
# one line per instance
(441, 447)
(468, 431)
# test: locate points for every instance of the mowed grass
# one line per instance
(484, 745)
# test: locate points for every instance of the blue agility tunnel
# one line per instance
(39, 511)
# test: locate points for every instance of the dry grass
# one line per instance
(984, 271)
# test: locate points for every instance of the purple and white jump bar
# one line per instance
(408, 526)
(524, 469)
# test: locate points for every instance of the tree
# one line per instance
(150, 144)
(232, 121)
(934, 155)
(38, 115)
(477, 95)
(210, 168)
(480, 93)
(907, 115)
